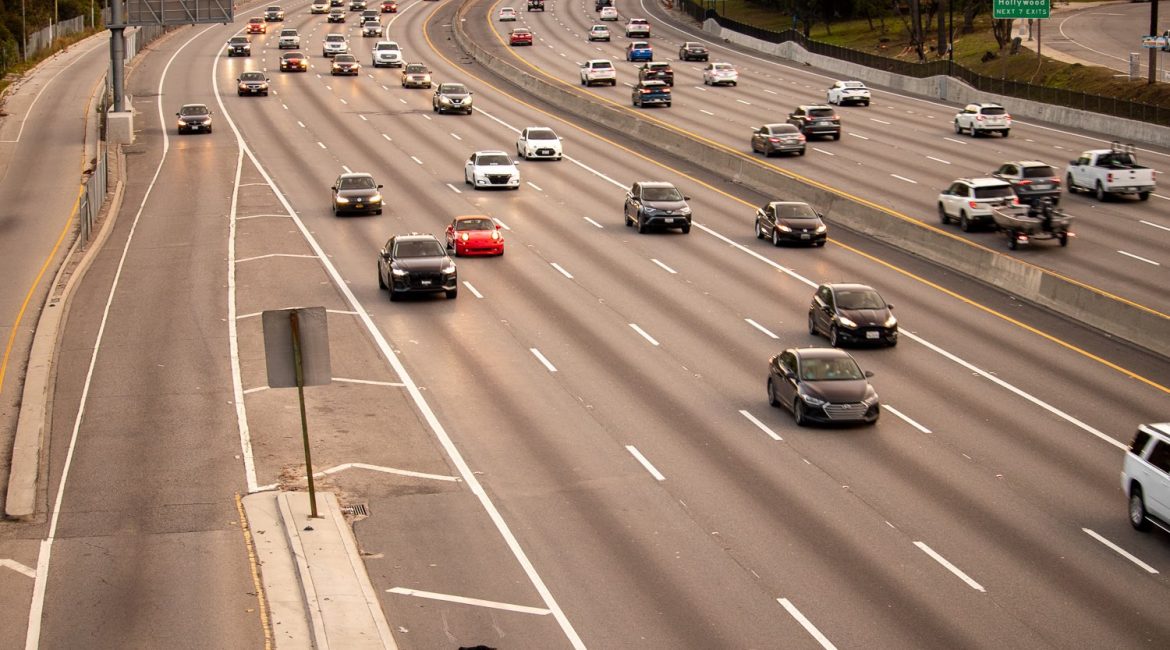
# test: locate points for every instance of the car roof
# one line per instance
(656, 183)
(985, 105)
(789, 203)
(356, 175)
(639, 44)
(414, 236)
(294, 53)
(849, 286)
(656, 64)
(811, 106)
(820, 353)
(490, 151)
(982, 182)
(193, 106)
(1028, 163)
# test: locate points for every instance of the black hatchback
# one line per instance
(852, 314)
(790, 221)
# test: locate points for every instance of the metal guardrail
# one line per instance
(1122, 108)
(94, 196)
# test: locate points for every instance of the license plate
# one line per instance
(871, 335)
(669, 220)
(804, 235)
(425, 282)
(1043, 186)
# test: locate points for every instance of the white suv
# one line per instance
(334, 44)
(970, 201)
(289, 39)
(978, 119)
(1145, 476)
(486, 169)
(638, 28)
(598, 71)
(387, 53)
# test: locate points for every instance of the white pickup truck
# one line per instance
(1110, 172)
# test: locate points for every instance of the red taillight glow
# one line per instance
(973, 204)
(1109, 177)
(1025, 182)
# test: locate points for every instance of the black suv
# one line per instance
(602, 3)
(239, 46)
(816, 119)
(656, 72)
(654, 203)
(535, 5)
(692, 51)
(274, 14)
(852, 313)
(1031, 179)
(416, 263)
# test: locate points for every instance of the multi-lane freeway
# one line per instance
(605, 388)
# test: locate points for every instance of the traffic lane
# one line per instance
(156, 394)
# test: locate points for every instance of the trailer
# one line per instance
(1023, 224)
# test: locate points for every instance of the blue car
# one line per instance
(639, 51)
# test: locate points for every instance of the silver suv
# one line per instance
(1145, 477)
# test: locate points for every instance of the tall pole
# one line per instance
(117, 53)
(1153, 32)
(951, 44)
(23, 35)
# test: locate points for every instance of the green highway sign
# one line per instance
(1003, 9)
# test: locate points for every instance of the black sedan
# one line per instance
(194, 118)
(294, 62)
(790, 221)
(252, 83)
(356, 193)
(852, 314)
(822, 385)
(416, 263)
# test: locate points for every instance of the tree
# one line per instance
(1002, 30)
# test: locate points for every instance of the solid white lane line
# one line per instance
(533, 186)
(761, 328)
(540, 357)
(1120, 551)
(1150, 223)
(641, 331)
(945, 162)
(272, 255)
(908, 420)
(416, 160)
(368, 382)
(562, 270)
(454, 189)
(17, 566)
(763, 427)
(501, 223)
(903, 178)
(523, 609)
(645, 463)
(594, 222)
(472, 290)
(956, 141)
(827, 153)
(859, 136)
(806, 624)
(1139, 258)
(456, 136)
(950, 567)
(664, 267)
(1162, 197)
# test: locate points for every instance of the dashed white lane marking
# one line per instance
(562, 270)
(540, 357)
(858, 136)
(347, 169)
(472, 289)
(771, 92)
(761, 328)
(645, 335)
(956, 141)
(950, 567)
(454, 189)
(1120, 551)
(903, 178)
(300, 124)
(706, 112)
(387, 138)
(523, 609)
(1140, 258)
(663, 266)
(763, 427)
(743, 102)
(456, 136)
(1156, 225)
(908, 420)
(369, 382)
(364, 118)
(827, 153)
(533, 186)
(416, 160)
(945, 162)
(501, 223)
(645, 463)
(806, 624)
(284, 106)
(321, 144)
(426, 117)
(594, 222)
(874, 119)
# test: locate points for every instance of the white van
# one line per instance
(1145, 477)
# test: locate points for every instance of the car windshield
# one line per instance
(860, 299)
(541, 134)
(853, 84)
(782, 129)
(415, 68)
(795, 211)
(693, 46)
(419, 248)
(193, 110)
(994, 192)
(289, 32)
(599, 65)
(640, 45)
(492, 159)
(453, 89)
(722, 66)
(520, 32)
(237, 40)
(475, 224)
(387, 46)
(1039, 171)
(335, 38)
(255, 21)
(820, 112)
(661, 194)
(841, 368)
(252, 76)
(344, 58)
(993, 110)
(357, 183)
(293, 55)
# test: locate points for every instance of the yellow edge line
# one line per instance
(948, 292)
(265, 624)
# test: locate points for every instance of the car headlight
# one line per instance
(846, 322)
(821, 228)
(243, 86)
(463, 236)
(783, 228)
(495, 235)
(377, 198)
(342, 199)
(812, 401)
(890, 322)
(685, 211)
(398, 273)
(870, 398)
(444, 99)
(449, 269)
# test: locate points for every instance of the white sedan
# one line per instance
(599, 33)
(539, 142)
(715, 74)
(848, 92)
(507, 14)
(608, 13)
(486, 169)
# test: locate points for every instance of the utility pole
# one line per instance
(1153, 32)
(117, 53)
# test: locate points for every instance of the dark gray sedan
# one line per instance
(771, 139)
(356, 193)
(822, 385)
(790, 221)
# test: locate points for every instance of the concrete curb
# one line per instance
(1123, 319)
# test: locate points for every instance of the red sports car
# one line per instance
(257, 26)
(520, 36)
(474, 235)
(389, 7)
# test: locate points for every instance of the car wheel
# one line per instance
(958, 129)
(837, 135)
(1005, 132)
(686, 229)
(381, 280)
(866, 104)
(1064, 239)
(759, 230)
(812, 324)
(943, 217)
(801, 152)
(775, 237)
(1143, 196)
(642, 227)
(453, 293)
(772, 401)
(393, 296)
(834, 337)
(668, 104)
(1137, 509)
(964, 222)
(1101, 195)
(1068, 182)
(798, 415)
(1013, 243)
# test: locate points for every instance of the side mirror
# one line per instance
(868, 373)
(890, 307)
(178, 115)
(789, 374)
(686, 198)
(379, 186)
(334, 188)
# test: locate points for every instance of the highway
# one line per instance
(1105, 34)
(605, 388)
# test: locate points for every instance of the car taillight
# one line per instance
(973, 204)
(1025, 182)
(1054, 180)
(1015, 200)
(800, 138)
(1006, 116)
(1109, 177)
(978, 118)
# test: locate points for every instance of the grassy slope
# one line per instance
(969, 49)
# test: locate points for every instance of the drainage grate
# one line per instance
(357, 510)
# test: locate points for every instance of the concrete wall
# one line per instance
(953, 90)
(1140, 326)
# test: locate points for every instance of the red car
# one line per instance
(389, 7)
(474, 235)
(520, 36)
(257, 26)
